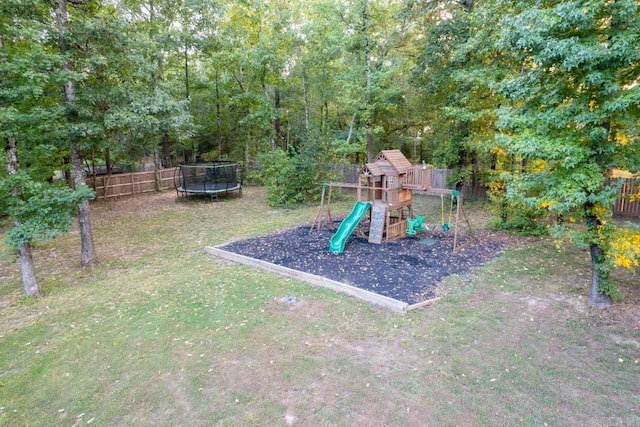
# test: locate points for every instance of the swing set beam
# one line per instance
(459, 212)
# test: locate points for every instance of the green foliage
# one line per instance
(343, 149)
(40, 211)
(458, 177)
(557, 80)
(512, 215)
(520, 219)
(566, 108)
(456, 66)
(294, 178)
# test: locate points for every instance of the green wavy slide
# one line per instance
(338, 240)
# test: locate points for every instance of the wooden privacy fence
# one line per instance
(623, 206)
(127, 184)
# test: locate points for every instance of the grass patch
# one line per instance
(161, 334)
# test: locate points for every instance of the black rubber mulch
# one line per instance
(403, 269)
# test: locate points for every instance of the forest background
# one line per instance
(536, 99)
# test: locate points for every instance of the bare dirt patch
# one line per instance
(293, 306)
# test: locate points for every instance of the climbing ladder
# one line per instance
(376, 228)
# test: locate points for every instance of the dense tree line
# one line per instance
(537, 99)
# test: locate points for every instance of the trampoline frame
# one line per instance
(211, 178)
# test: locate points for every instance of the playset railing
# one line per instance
(397, 229)
(418, 177)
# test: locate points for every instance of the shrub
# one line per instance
(294, 178)
(513, 216)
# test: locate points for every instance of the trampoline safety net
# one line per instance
(208, 178)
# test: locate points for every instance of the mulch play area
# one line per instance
(406, 269)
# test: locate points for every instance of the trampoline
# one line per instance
(208, 179)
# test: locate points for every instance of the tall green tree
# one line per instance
(88, 255)
(456, 65)
(569, 109)
(29, 116)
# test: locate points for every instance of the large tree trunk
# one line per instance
(27, 269)
(29, 280)
(88, 248)
(88, 251)
(596, 298)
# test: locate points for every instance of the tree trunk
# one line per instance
(29, 280)
(218, 118)
(11, 154)
(353, 121)
(596, 298)
(88, 248)
(265, 91)
(27, 269)
(166, 151)
(463, 158)
(246, 153)
(277, 124)
(68, 176)
(367, 65)
(370, 153)
(326, 118)
(107, 161)
(93, 161)
(88, 251)
(156, 175)
(467, 4)
(186, 71)
(305, 100)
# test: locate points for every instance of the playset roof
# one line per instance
(387, 162)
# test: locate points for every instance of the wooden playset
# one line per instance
(385, 189)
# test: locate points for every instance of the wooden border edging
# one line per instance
(362, 294)
(423, 303)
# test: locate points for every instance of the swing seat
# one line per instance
(420, 227)
(445, 227)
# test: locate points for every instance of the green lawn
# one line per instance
(162, 334)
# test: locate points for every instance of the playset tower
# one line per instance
(385, 189)
(388, 182)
